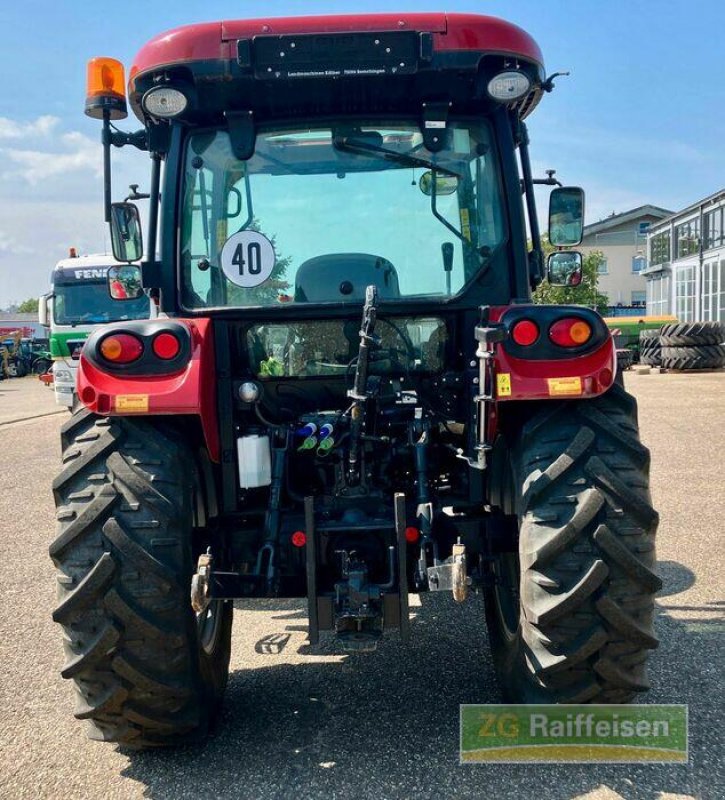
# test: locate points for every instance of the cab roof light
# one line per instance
(570, 332)
(164, 102)
(508, 86)
(106, 89)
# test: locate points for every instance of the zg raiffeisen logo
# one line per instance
(581, 733)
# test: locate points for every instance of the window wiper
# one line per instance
(355, 146)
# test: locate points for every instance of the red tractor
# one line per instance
(348, 395)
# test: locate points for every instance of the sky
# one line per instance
(641, 119)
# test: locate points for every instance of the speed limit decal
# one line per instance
(248, 258)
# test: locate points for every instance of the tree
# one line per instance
(585, 294)
(28, 306)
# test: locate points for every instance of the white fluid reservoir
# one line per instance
(255, 465)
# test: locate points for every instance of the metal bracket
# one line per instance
(200, 594)
(434, 125)
(450, 575)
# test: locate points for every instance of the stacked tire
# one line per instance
(650, 350)
(625, 359)
(692, 345)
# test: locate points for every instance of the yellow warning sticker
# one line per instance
(138, 403)
(503, 384)
(465, 224)
(564, 386)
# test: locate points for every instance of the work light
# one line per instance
(508, 85)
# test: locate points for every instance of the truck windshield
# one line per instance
(89, 303)
(317, 214)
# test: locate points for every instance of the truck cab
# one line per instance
(78, 304)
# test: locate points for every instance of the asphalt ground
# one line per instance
(301, 722)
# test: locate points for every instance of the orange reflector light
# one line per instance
(166, 346)
(299, 538)
(105, 88)
(411, 535)
(121, 348)
(525, 332)
(570, 332)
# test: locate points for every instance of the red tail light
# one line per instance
(525, 332)
(570, 332)
(299, 538)
(121, 348)
(166, 346)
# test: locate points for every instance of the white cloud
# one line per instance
(9, 246)
(42, 126)
(76, 153)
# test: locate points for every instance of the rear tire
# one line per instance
(711, 356)
(573, 623)
(145, 673)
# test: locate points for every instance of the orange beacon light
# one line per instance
(105, 89)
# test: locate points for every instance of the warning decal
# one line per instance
(565, 386)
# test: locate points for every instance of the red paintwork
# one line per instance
(190, 391)
(529, 378)
(217, 40)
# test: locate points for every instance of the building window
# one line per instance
(603, 267)
(713, 292)
(639, 298)
(687, 238)
(638, 264)
(685, 294)
(659, 248)
(658, 295)
(712, 229)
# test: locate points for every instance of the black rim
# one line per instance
(507, 593)
(208, 625)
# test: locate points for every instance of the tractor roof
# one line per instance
(216, 54)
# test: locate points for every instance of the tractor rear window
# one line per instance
(330, 347)
(316, 215)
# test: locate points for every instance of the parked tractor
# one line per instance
(349, 396)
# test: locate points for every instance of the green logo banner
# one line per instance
(582, 733)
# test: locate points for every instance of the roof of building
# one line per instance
(710, 199)
(633, 214)
(14, 316)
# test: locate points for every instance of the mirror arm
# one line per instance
(440, 217)
(106, 136)
(536, 257)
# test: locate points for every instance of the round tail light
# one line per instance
(121, 348)
(525, 332)
(166, 346)
(570, 332)
(299, 538)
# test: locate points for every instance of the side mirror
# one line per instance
(126, 240)
(444, 184)
(44, 310)
(566, 216)
(564, 268)
(124, 283)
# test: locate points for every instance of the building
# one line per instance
(622, 238)
(685, 273)
(11, 321)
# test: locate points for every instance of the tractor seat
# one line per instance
(344, 277)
